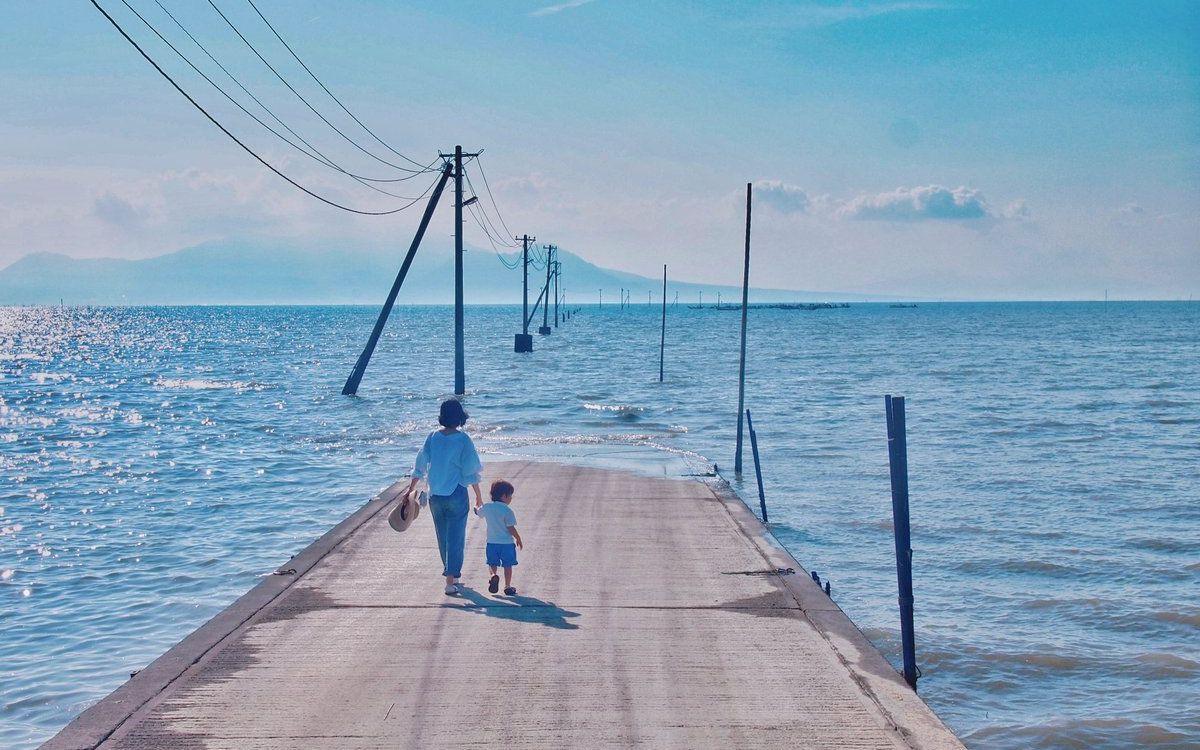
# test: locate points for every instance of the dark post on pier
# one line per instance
(898, 463)
(737, 459)
(762, 497)
(364, 359)
(662, 339)
(524, 342)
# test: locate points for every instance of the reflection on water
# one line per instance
(154, 462)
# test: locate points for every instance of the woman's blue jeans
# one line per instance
(450, 522)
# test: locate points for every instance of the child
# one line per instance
(501, 531)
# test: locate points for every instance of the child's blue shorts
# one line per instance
(501, 555)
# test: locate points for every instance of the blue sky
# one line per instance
(940, 149)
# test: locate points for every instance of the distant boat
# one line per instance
(903, 304)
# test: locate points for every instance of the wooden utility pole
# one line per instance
(557, 272)
(737, 460)
(524, 342)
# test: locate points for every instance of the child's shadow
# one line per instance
(519, 608)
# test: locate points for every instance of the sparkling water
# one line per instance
(155, 462)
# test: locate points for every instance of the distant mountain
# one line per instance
(273, 273)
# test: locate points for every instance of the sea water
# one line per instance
(156, 462)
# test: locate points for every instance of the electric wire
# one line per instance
(325, 88)
(323, 158)
(479, 165)
(120, 29)
(300, 96)
(316, 155)
(507, 264)
(506, 242)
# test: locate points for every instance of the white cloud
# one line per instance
(1016, 210)
(782, 197)
(549, 9)
(917, 204)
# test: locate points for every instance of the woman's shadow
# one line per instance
(519, 608)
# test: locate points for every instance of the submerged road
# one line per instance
(652, 613)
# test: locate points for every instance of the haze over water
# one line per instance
(157, 461)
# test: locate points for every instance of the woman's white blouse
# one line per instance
(448, 461)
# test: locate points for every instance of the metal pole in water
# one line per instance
(737, 459)
(898, 464)
(360, 367)
(460, 373)
(662, 339)
(762, 498)
(557, 273)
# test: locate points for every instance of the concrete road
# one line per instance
(651, 613)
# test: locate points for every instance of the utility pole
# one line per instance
(545, 329)
(460, 376)
(524, 342)
(737, 460)
(601, 299)
(557, 273)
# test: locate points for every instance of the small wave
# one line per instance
(41, 378)
(204, 384)
(1056, 603)
(1016, 566)
(1160, 664)
(1162, 545)
(1166, 403)
(1180, 618)
(619, 408)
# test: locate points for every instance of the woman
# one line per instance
(450, 463)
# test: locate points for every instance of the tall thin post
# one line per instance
(364, 359)
(762, 497)
(525, 285)
(898, 464)
(557, 271)
(662, 339)
(523, 341)
(737, 460)
(601, 299)
(460, 372)
(545, 329)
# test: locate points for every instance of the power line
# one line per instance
(325, 88)
(479, 164)
(483, 210)
(300, 96)
(234, 138)
(509, 265)
(323, 158)
(317, 155)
